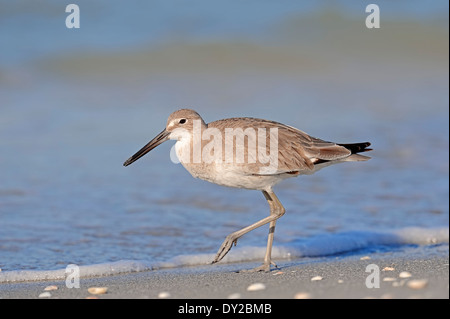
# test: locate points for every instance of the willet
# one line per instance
(234, 152)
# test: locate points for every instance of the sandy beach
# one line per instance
(411, 274)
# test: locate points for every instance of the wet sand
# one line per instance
(417, 273)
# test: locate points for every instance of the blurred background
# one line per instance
(76, 103)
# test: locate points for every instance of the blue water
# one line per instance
(74, 104)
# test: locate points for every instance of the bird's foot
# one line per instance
(225, 247)
(264, 268)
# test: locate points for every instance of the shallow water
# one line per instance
(74, 106)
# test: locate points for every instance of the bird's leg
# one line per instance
(276, 211)
(233, 237)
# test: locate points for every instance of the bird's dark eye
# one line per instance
(182, 121)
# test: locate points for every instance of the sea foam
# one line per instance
(321, 245)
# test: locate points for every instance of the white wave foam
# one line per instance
(96, 270)
(323, 245)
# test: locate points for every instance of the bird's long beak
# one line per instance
(160, 138)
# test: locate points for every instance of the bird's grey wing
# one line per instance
(286, 149)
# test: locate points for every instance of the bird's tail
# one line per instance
(356, 148)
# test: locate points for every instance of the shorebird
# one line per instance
(291, 153)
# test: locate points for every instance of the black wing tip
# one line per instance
(357, 147)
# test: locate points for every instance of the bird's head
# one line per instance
(180, 124)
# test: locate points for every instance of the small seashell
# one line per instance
(45, 295)
(50, 288)
(417, 283)
(364, 258)
(235, 295)
(302, 295)
(256, 286)
(278, 273)
(91, 297)
(164, 294)
(316, 278)
(340, 281)
(388, 269)
(98, 290)
(389, 279)
(404, 274)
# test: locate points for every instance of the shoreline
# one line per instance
(413, 273)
